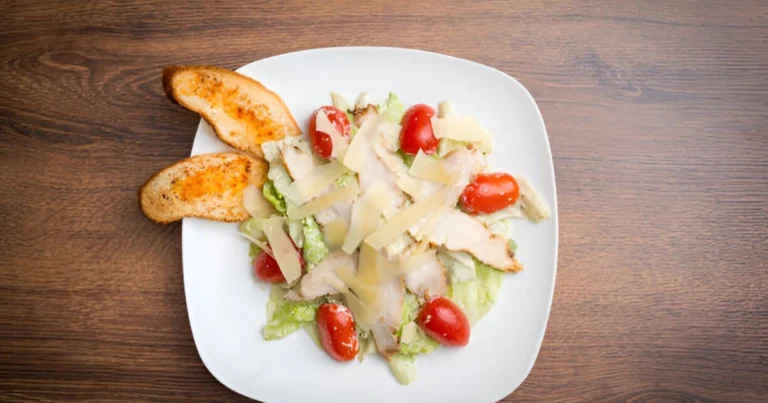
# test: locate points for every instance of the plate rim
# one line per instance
(454, 59)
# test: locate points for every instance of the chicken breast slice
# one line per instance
(323, 280)
(458, 231)
(375, 169)
(429, 279)
(389, 314)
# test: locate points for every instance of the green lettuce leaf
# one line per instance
(274, 197)
(285, 317)
(314, 249)
(393, 109)
(403, 367)
(476, 297)
(460, 265)
(512, 245)
(407, 158)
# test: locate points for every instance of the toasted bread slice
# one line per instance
(205, 186)
(243, 112)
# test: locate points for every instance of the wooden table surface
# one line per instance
(657, 114)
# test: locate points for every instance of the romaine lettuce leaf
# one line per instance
(285, 317)
(273, 196)
(314, 249)
(445, 146)
(476, 297)
(460, 265)
(393, 109)
(403, 367)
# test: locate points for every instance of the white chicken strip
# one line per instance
(458, 231)
(429, 279)
(299, 164)
(389, 312)
(323, 280)
(375, 170)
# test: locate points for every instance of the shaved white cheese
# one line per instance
(263, 246)
(363, 315)
(340, 101)
(324, 125)
(409, 332)
(462, 128)
(362, 100)
(368, 265)
(409, 185)
(444, 109)
(335, 232)
(317, 181)
(404, 220)
(355, 156)
(425, 227)
(255, 203)
(284, 252)
(533, 205)
(325, 201)
(366, 215)
(433, 169)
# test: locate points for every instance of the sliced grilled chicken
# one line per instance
(429, 279)
(389, 314)
(376, 170)
(458, 231)
(323, 280)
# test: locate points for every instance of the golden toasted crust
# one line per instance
(242, 112)
(204, 186)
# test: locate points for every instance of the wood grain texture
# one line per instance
(658, 119)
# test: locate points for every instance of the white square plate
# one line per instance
(227, 306)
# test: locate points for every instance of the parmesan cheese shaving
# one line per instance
(335, 232)
(282, 247)
(317, 181)
(366, 215)
(355, 156)
(410, 186)
(323, 202)
(432, 169)
(404, 220)
(340, 101)
(255, 203)
(462, 128)
(324, 125)
(263, 246)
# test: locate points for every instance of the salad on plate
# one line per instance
(383, 230)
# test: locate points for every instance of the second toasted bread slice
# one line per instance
(205, 186)
(243, 112)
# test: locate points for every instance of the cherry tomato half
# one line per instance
(321, 142)
(337, 331)
(488, 193)
(267, 269)
(417, 130)
(445, 322)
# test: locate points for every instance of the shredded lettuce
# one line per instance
(476, 297)
(274, 197)
(284, 316)
(254, 250)
(314, 249)
(407, 158)
(403, 367)
(393, 109)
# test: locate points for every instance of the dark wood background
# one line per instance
(657, 113)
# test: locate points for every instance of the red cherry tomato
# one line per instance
(321, 142)
(337, 331)
(488, 193)
(267, 269)
(417, 130)
(442, 320)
